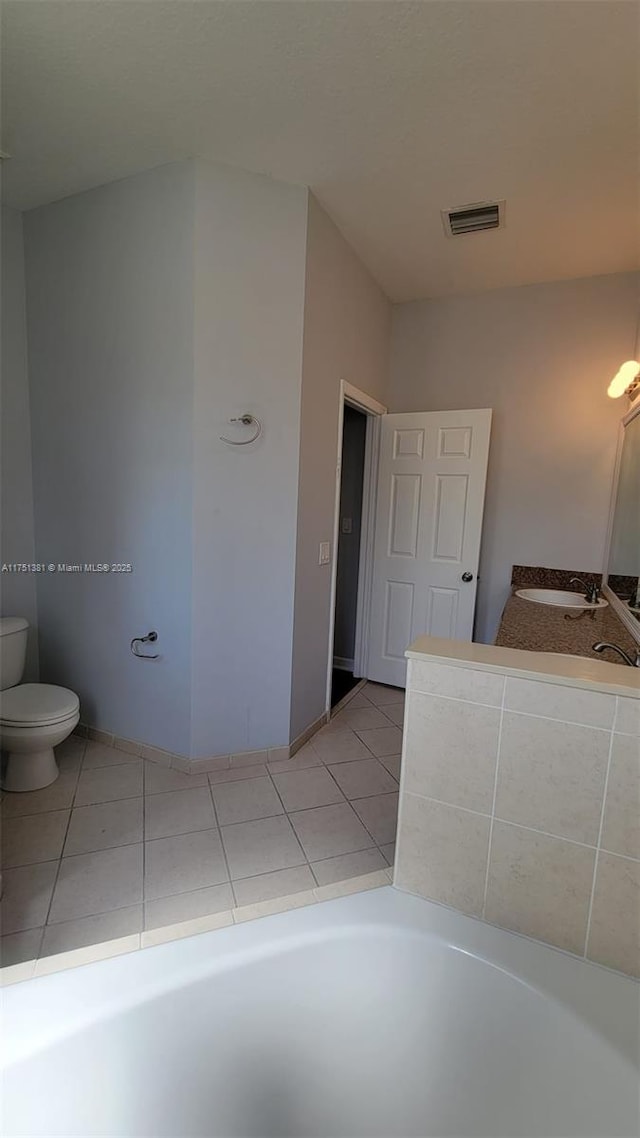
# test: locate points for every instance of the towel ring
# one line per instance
(246, 421)
(150, 638)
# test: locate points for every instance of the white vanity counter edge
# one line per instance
(549, 667)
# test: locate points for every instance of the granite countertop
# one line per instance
(548, 628)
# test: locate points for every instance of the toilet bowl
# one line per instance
(34, 718)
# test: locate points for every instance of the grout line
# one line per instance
(457, 698)
(545, 833)
(515, 711)
(224, 852)
(286, 814)
(493, 801)
(599, 840)
(57, 876)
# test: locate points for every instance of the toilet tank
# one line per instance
(13, 650)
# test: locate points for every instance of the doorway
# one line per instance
(352, 466)
(421, 494)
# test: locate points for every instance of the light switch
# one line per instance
(325, 553)
(347, 525)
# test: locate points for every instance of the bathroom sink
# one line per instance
(560, 597)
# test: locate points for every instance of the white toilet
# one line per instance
(34, 718)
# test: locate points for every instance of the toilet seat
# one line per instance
(37, 705)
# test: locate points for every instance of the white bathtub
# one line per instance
(376, 1014)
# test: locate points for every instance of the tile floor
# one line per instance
(117, 845)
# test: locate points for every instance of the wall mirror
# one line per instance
(622, 568)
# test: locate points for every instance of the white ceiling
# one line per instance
(389, 110)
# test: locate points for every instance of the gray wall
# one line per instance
(18, 590)
(351, 485)
(250, 275)
(110, 320)
(542, 357)
(347, 322)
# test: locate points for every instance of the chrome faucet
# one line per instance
(600, 647)
(591, 592)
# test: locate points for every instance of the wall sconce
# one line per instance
(627, 378)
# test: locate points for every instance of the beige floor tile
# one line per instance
(159, 779)
(382, 740)
(621, 829)
(70, 753)
(104, 826)
(183, 864)
(71, 748)
(539, 886)
(389, 852)
(275, 905)
(442, 853)
(194, 926)
(329, 831)
(99, 755)
(363, 778)
(188, 906)
(380, 816)
(109, 784)
(57, 796)
(392, 764)
(91, 930)
(178, 812)
(263, 846)
(337, 746)
(38, 837)
(360, 718)
(347, 865)
(395, 712)
(97, 883)
(359, 700)
(266, 886)
(380, 694)
(306, 757)
(70, 763)
(26, 895)
(18, 947)
(246, 800)
(614, 937)
(551, 776)
(304, 789)
(237, 774)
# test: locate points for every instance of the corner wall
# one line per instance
(110, 321)
(347, 327)
(17, 590)
(250, 236)
(541, 356)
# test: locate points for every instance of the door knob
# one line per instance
(467, 577)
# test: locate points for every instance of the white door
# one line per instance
(430, 500)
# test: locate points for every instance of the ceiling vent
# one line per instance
(473, 218)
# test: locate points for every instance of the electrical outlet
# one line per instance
(325, 553)
(347, 525)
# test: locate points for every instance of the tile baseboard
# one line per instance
(209, 763)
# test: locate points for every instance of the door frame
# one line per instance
(373, 410)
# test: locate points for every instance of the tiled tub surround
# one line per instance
(119, 845)
(520, 795)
